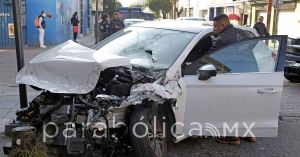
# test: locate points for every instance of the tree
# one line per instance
(113, 6)
(160, 6)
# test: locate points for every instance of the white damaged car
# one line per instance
(153, 83)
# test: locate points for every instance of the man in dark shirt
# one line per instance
(225, 32)
(104, 27)
(261, 27)
(116, 24)
(225, 35)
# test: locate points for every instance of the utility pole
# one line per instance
(189, 5)
(19, 50)
(269, 14)
(96, 23)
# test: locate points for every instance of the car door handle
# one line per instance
(268, 90)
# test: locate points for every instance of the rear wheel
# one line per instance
(147, 133)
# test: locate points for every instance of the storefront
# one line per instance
(7, 37)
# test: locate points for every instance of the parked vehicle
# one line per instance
(292, 67)
(129, 22)
(134, 13)
(140, 89)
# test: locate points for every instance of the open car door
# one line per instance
(244, 97)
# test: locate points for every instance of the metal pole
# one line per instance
(19, 50)
(269, 15)
(189, 5)
(96, 24)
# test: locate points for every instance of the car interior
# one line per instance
(191, 63)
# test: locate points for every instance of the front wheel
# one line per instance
(147, 133)
(295, 79)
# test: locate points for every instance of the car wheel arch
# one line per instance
(168, 112)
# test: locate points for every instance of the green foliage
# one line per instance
(29, 152)
(160, 6)
(113, 6)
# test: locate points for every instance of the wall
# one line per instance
(199, 6)
(85, 16)
(58, 28)
(6, 17)
(34, 9)
(64, 12)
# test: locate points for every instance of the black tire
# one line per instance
(149, 145)
(294, 79)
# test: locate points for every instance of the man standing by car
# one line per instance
(116, 24)
(261, 27)
(225, 35)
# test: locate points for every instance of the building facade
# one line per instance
(7, 38)
(285, 13)
(285, 16)
(58, 29)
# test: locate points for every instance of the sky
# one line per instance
(125, 3)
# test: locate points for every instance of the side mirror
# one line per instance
(206, 72)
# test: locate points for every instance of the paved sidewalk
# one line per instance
(87, 41)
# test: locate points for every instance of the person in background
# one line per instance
(42, 27)
(104, 27)
(116, 24)
(75, 22)
(261, 27)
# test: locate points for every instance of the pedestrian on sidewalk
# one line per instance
(104, 27)
(116, 24)
(75, 22)
(42, 27)
(261, 27)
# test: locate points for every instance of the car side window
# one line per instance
(256, 55)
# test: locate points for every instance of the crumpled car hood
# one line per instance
(68, 68)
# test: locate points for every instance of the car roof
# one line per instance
(190, 26)
(183, 18)
(185, 26)
(128, 20)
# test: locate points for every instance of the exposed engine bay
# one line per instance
(88, 122)
(90, 102)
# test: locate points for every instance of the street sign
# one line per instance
(11, 30)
